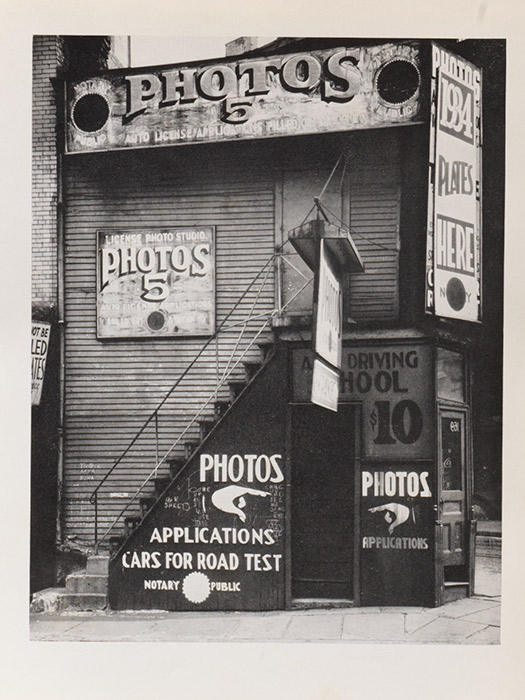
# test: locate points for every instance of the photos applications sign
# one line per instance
(217, 542)
(308, 92)
(156, 282)
(453, 285)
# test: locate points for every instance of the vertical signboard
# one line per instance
(328, 338)
(154, 283)
(328, 312)
(454, 220)
(40, 334)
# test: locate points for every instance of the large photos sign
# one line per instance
(154, 283)
(302, 93)
(454, 213)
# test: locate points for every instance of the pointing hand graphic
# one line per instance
(400, 512)
(223, 499)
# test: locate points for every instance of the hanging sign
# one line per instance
(454, 231)
(40, 334)
(325, 386)
(157, 282)
(328, 322)
(302, 93)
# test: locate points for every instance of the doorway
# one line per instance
(454, 498)
(322, 495)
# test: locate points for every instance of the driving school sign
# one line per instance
(157, 282)
(310, 92)
(391, 382)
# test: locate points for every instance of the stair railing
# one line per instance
(266, 318)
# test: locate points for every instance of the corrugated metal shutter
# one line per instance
(113, 385)
(364, 192)
(374, 221)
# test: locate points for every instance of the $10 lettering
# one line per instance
(402, 422)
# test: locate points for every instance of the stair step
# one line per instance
(48, 601)
(97, 564)
(83, 582)
(251, 369)
(220, 409)
(83, 601)
(145, 505)
(455, 591)
(189, 448)
(161, 484)
(115, 543)
(265, 348)
(175, 465)
(131, 522)
(205, 426)
(235, 389)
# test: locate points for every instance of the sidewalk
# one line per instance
(473, 620)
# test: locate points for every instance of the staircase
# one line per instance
(173, 466)
(87, 590)
(84, 590)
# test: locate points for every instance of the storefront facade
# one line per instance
(192, 445)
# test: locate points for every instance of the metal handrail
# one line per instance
(179, 439)
(180, 378)
(226, 375)
(154, 415)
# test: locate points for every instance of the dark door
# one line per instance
(323, 448)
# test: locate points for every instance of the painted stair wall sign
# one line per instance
(215, 540)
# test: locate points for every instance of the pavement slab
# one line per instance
(184, 629)
(260, 628)
(402, 609)
(105, 630)
(414, 621)
(315, 627)
(490, 616)
(445, 630)
(467, 621)
(45, 629)
(388, 627)
(488, 635)
(465, 606)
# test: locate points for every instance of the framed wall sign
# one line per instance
(156, 282)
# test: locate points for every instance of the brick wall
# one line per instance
(47, 60)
